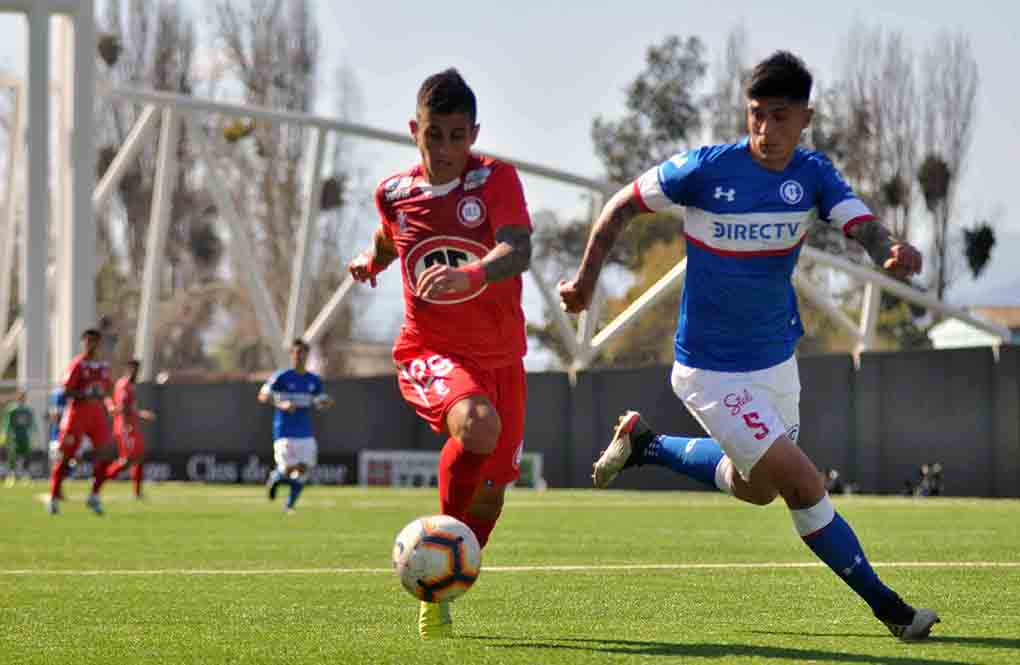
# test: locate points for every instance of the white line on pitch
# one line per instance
(518, 569)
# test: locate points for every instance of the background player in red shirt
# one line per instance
(86, 386)
(460, 227)
(126, 419)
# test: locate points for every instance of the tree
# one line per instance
(663, 116)
(663, 110)
(978, 243)
(950, 93)
(727, 101)
(152, 45)
(273, 47)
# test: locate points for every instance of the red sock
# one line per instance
(136, 478)
(460, 471)
(114, 469)
(481, 527)
(57, 477)
(99, 476)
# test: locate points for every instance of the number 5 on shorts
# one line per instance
(752, 421)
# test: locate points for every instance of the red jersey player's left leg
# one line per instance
(70, 439)
(124, 448)
(453, 398)
(104, 454)
(136, 457)
(503, 467)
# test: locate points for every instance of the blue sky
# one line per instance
(544, 70)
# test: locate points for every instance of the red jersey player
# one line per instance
(86, 385)
(126, 415)
(460, 227)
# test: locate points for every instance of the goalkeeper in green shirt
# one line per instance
(18, 428)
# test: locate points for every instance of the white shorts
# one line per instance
(292, 452)
(744, 411)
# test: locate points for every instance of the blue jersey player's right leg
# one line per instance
(755, 416)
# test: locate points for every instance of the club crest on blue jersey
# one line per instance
(792, 192)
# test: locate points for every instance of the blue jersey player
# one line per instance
(293, 393)
(56, 405)
(748, 206)
(55, 411)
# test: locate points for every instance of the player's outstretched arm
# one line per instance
(576, 293)
(897, 257)
(365, 266)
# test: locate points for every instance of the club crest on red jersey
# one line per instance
(471, 211)
(450, 251)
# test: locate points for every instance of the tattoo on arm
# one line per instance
(612, 221)
(385, 250)
(511, 256)
(875, 239)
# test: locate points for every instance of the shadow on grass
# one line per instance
(987, 642)
(700, 650)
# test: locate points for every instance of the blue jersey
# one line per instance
(301, 389)
(57, 404)
(744, 227)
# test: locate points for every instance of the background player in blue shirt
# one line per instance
(54, 413)
(293, 392)
(747, 208)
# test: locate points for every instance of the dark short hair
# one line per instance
(92, 332)
(782, 74)
(299, 343)
(447, 92)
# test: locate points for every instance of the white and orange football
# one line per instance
(437, 558)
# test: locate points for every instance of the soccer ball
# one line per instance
(437, 558)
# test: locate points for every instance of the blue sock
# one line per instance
(296, 486)
(836, 544)
(696, 458)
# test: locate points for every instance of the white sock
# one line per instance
(724, 475)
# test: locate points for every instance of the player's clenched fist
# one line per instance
(904, 260)
(574, 297)
(439, 279)
(363, 268)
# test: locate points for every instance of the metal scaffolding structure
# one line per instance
(76, 197)
(60, 197)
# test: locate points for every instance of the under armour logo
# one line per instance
(858, 560)
(728, 194)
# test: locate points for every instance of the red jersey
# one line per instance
(455, 224)
(124, 400)
(84, 375)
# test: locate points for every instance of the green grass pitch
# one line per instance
(217, 574)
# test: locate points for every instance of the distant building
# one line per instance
(954, 334)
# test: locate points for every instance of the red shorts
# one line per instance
(130, 442)
(77, 424)
(432, 383)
